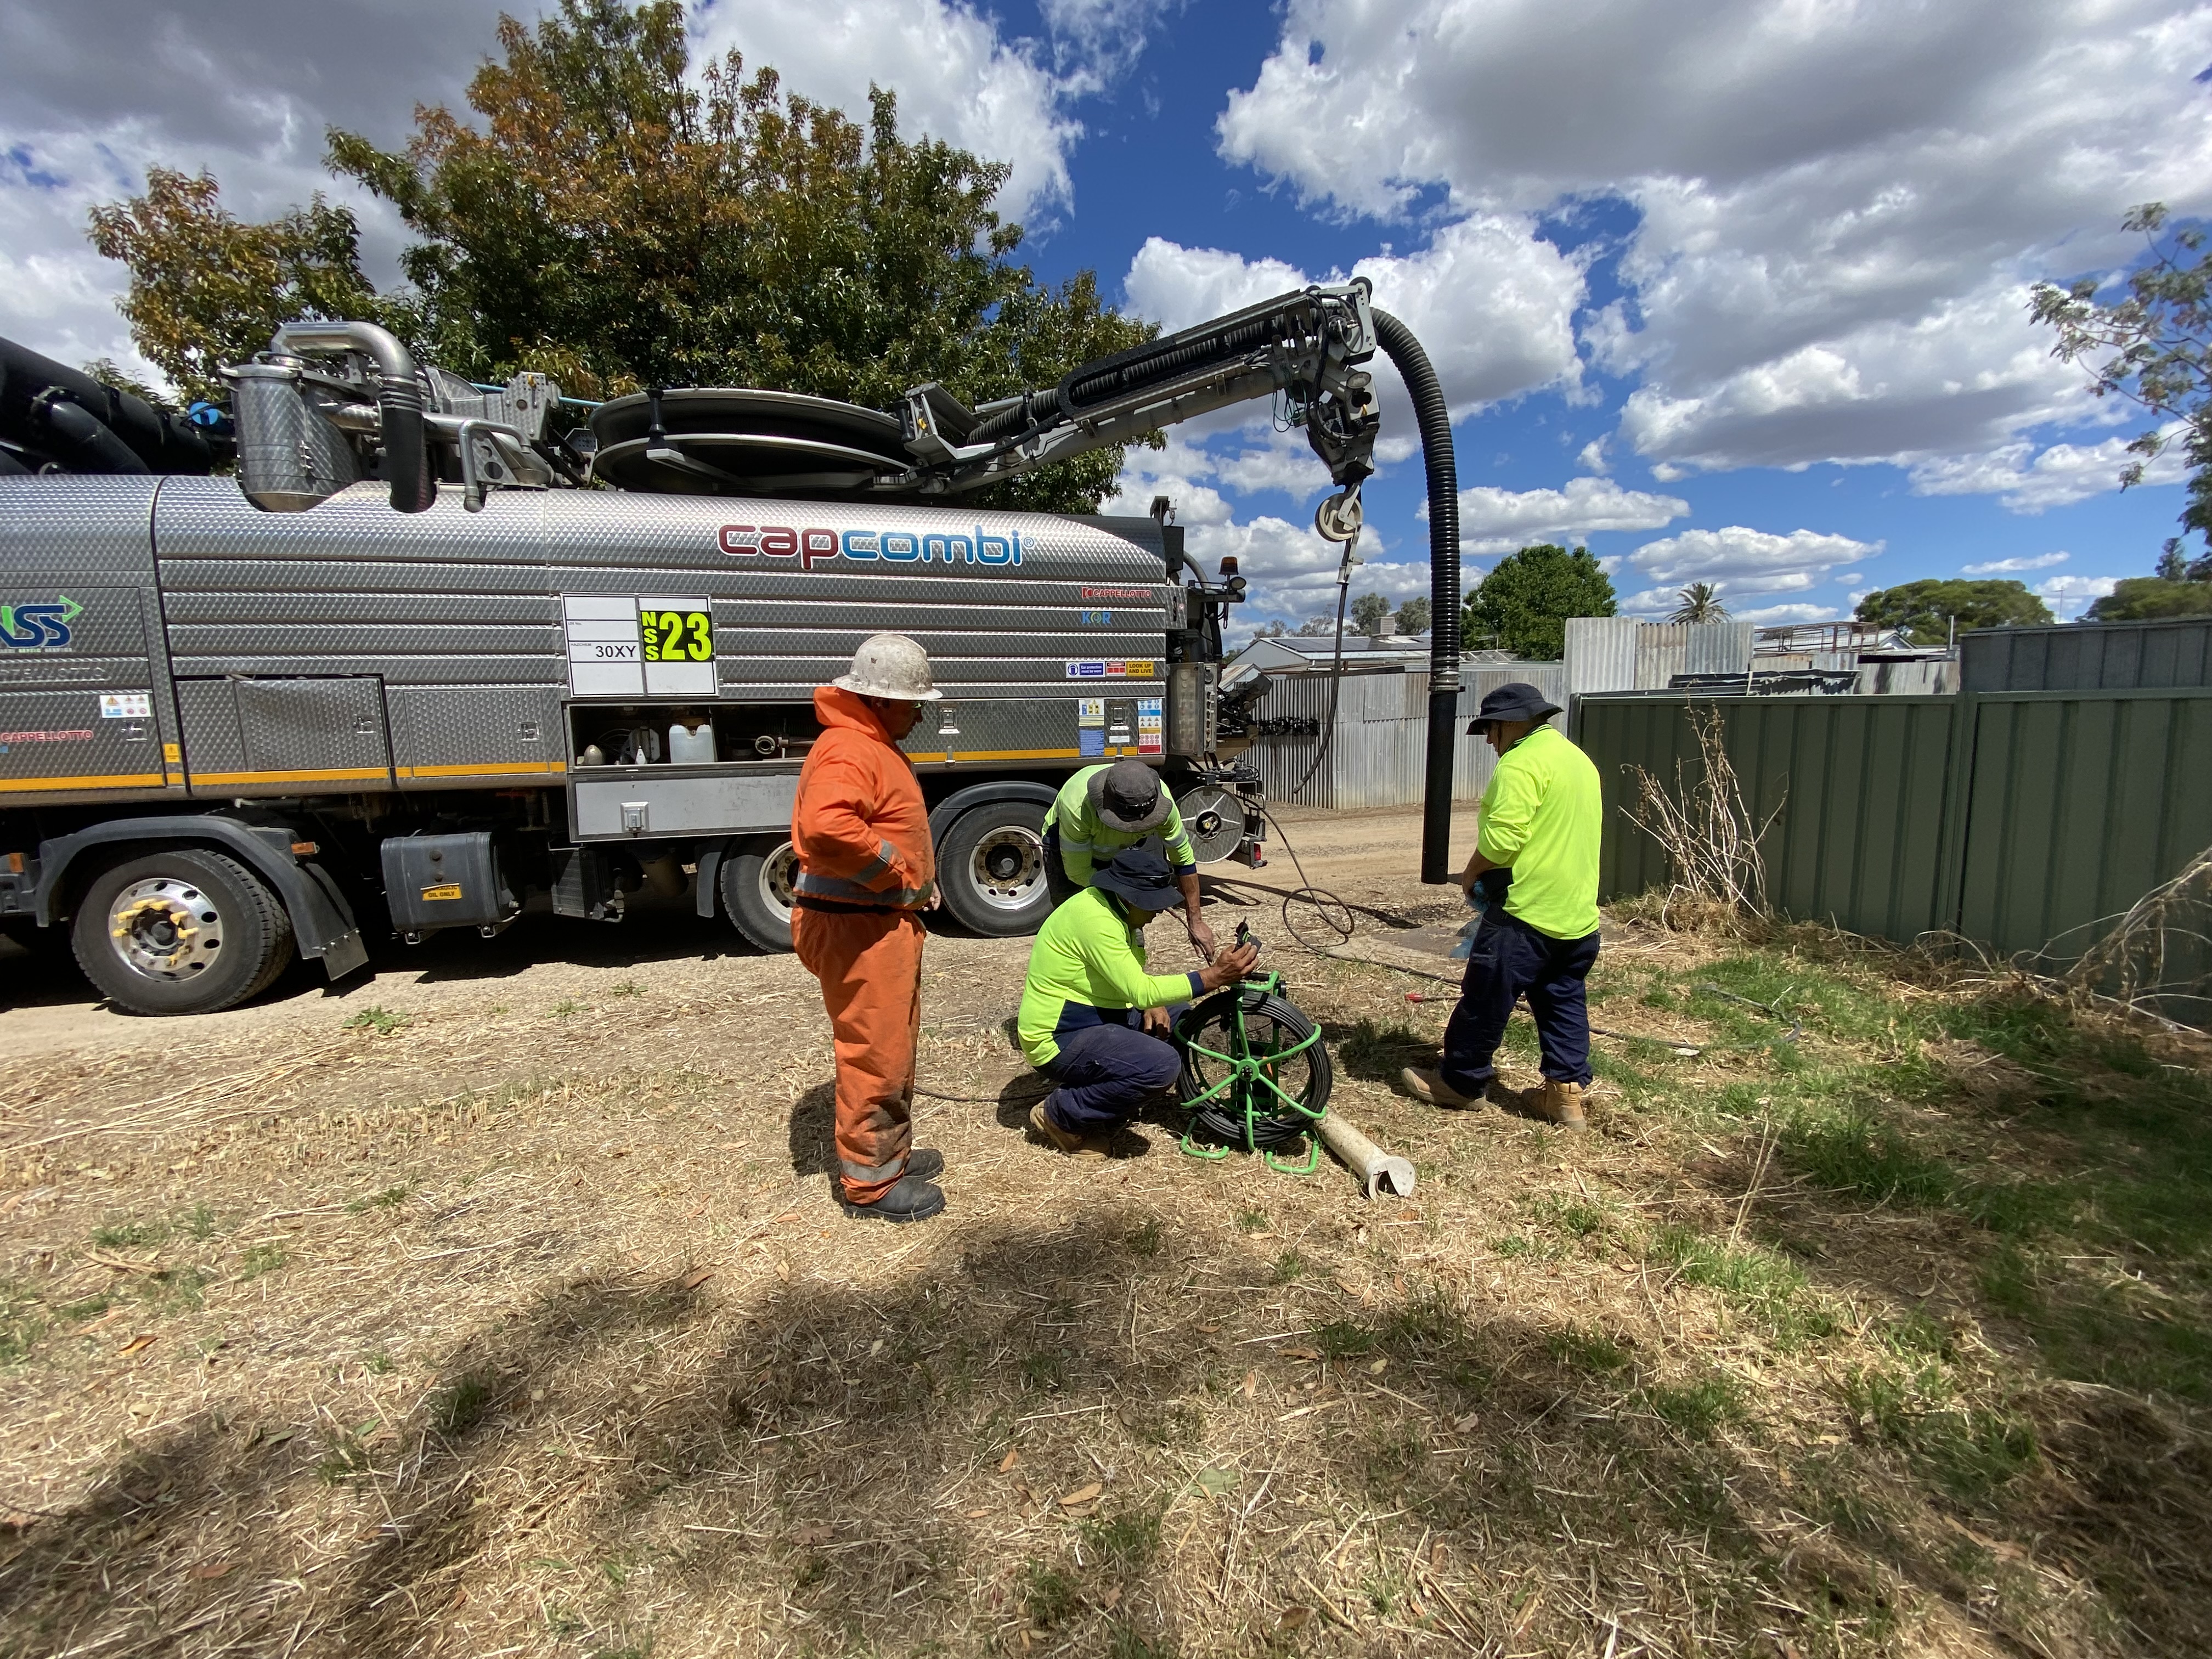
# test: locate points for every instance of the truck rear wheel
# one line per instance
(182, 932)
(755, 885)
(991, 869)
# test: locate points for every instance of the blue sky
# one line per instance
(1731, 291)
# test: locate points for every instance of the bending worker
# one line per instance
(867, 871)
(1539, 824)
(1092, 1019)
(1103, 809)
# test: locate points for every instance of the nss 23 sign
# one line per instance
(676, 636)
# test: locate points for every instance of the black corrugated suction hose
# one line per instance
(1434, 420)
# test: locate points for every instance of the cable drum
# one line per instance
(1214, 820)
(1255, 1073)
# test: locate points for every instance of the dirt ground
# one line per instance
(496, 1302)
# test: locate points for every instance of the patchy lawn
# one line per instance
(511, 1316)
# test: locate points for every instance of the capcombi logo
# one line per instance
(810, 547)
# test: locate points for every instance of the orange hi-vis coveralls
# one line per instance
(865, 870)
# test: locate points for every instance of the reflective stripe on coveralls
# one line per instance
(870, 967)
(861, 832)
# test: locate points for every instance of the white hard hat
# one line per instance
(890, 665)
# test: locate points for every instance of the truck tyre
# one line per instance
(181, 932)
(755, 883)
(991, 869)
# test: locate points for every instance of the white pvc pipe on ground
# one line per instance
(1378, 1169)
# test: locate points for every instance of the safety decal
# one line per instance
(1133, 669)
(1150, 725)
(44, 626)
(126, 705)
(448, 890)
(1090, 728)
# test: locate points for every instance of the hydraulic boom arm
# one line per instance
(1307, 348)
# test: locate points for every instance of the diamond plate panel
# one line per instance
(445, 734)
(267, 642)
(322, 607)
(400, 670)
(979, 731)
(209, 709)
(318, 725)
(94, 528)
(57, 744)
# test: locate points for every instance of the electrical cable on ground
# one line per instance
(1796, 1026)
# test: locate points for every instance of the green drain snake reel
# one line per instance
(1255, 1074)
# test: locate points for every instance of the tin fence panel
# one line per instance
(1854, 789)
(2080, 805)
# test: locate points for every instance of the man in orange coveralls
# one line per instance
(867, 871)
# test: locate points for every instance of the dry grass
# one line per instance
(1717, 873)
(472, 1332)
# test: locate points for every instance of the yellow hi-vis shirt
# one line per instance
(1543, 816)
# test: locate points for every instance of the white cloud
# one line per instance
(1775, 616)
(1287, 463)
(246, 89)
(1291, 570)
(1840, 203)
(1592, 459)
(957, 77)
(1098, 42)
(1494, 306)
(1494, 521)
(2025, 480)
(2013, 566)
(1739, 560)
(2069, 596)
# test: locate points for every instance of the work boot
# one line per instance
(1557, 1103)
(1066, 1140)
(924, 1163)
(910, 1199)
(1427, 1083)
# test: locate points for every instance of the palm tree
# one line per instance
(1698, 603)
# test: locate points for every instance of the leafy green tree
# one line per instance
(1524, 603)
(1700, 602)
(617, 221)
(2153, 347)
(1368, 611)
(207, 288)
(2144, 599)
(1414, 616)
(1927, 609)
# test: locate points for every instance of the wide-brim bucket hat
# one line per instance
(1517, 700)
(1128, 796)
(1139, 878)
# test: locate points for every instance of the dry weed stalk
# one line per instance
(2131, 962)
(1708, 832)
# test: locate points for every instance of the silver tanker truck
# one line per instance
(438, 652)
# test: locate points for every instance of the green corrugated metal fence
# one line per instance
(2019, 819)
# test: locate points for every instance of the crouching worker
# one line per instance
(867, 871)
(1540, 820)
(1105, 809)
(1092, 1019)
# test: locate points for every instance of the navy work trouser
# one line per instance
(1106, 1073)
(1512, 960)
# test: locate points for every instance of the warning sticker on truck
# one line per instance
(451, 889)
(1111, 669)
